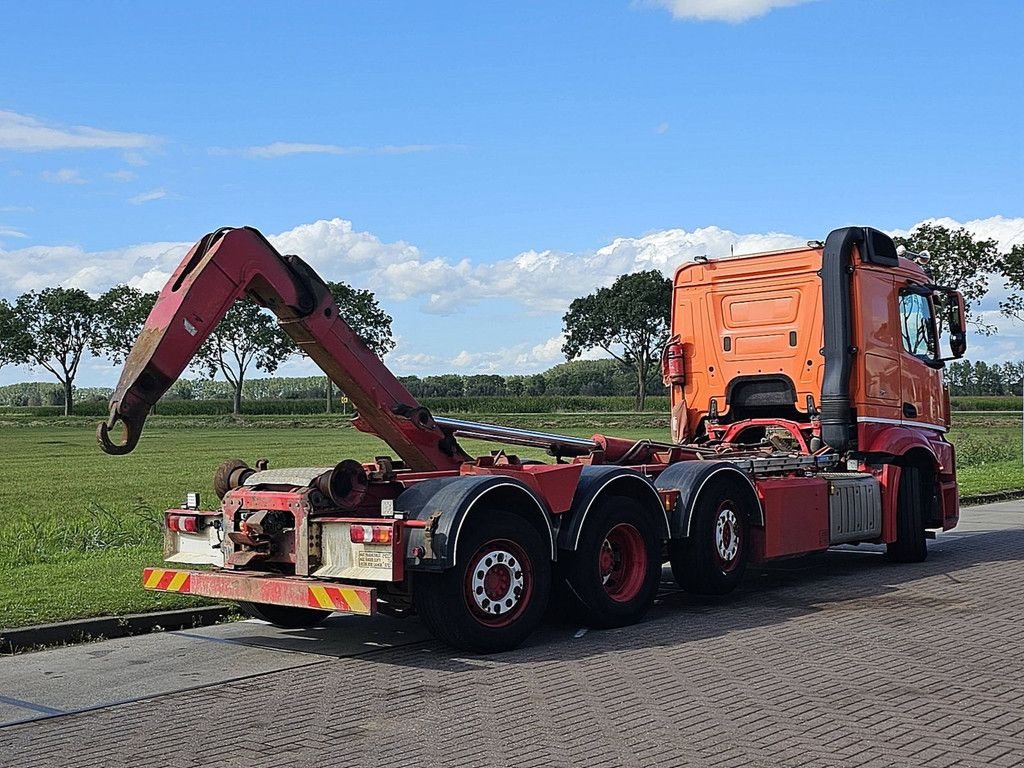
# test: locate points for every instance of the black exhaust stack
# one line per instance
(836, 279)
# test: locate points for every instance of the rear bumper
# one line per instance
(259, 588)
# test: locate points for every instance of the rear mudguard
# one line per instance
(690, 478)
(598, 481)
(445, 503)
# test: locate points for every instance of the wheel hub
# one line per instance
(606, 561)
(497, 582)
(622, 562)
(727, 540)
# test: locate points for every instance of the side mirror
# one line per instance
(958, 327)
(950, 304)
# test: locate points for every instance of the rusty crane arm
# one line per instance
(228, 265)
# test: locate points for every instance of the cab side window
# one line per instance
(917, 325)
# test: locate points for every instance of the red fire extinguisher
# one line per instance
(672, 368)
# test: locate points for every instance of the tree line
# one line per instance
(580, 377)
(981, 378)
(54, 328)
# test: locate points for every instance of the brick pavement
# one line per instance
(838, 660)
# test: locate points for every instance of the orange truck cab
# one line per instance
(836, 345)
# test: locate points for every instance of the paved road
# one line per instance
(835, 660)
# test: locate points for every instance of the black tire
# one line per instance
(706, 563)
(613, 576)
(284, 616)
(911, 545)
(497, 592)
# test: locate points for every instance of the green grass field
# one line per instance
(77, 526)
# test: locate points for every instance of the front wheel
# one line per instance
(284, 616)
(911, 545)
(714, 557)
(497, 592)
(612, 577)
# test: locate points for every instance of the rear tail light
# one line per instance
(370, 534)
(183, 523)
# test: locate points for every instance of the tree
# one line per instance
(361, 312)
(246, 336)
(53, 328)
(629, 321)
(536, 385)
(1011, 265)
(958, 376)
(122, 312)
(14, 339)
(957, 261)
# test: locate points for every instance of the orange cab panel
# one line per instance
(747, 322)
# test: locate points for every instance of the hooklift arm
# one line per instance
(225, 266)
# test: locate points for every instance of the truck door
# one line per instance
(877, 388)
(920, 368)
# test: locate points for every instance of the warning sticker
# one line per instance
(374, 558)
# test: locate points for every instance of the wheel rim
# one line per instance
(499, 583)
(728, 536)
(622, 563)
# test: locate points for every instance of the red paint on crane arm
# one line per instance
(229, 265)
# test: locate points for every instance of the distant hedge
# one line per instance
(438, 405)
(449, 405)
(985, 403)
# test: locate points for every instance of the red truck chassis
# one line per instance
(477, 546)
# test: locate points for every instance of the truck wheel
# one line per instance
(612, 577)
(497, 592)
(712, 560)
(910, 545)
(284, 616)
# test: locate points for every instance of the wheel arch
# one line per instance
(601, 482)
(691, 478)
(926, 461)
(898, 442)
(445, 504)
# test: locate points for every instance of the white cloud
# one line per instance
(549, 351)
(662, 128)
(16, 209)
(134, 158)
(285, 148)
(29, 134)
(733, 11)
(122, 176)
(1007, 232)
(146, 197)
(63, 176)
(11, 232)
(465, 359)
(540, 281)
(413, 363)
(145, 266)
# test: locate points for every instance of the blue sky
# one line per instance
(457, 137)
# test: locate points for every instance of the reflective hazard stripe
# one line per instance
(263, 588)
(336, 599)
(166, 580)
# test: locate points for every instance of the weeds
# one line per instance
(43, 538)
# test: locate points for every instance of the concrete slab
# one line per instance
(992, 517)
(80, 677)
